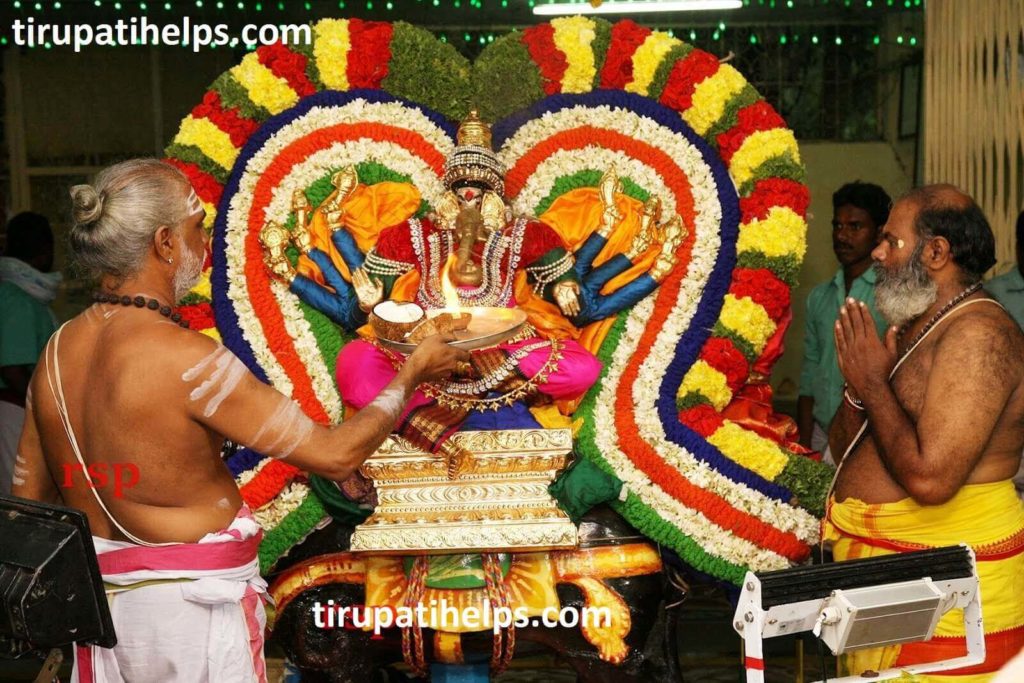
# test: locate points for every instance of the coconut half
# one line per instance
(394, 319)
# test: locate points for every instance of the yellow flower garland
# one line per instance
(760, 147)
(202, 288)
(647, 58)
(710, 97)
(573, 37)
(262, 86)
(749, 450)
(748, 319)
(331, 46)
(782, 233)
(710, 383)
(211, 141)
(213, 334)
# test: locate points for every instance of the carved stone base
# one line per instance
(497, 500)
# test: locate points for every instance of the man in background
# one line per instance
(27, 287)
(1008, 288)
(859, 210)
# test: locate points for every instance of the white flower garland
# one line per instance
(390, 154)
(569, 161)
(646, 389)
(284, 503)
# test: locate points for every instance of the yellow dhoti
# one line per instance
(987, 517)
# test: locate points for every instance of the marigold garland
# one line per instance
(574, 37)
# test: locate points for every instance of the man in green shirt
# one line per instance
(26, 322)
(859, 210)
(1008, 289)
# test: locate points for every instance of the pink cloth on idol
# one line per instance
(363, 371)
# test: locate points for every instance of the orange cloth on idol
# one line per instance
(574, 216)
(989, 518)
(368, 210)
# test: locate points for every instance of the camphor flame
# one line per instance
(448, 288)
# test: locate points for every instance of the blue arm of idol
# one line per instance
(341, 305)
(586, 254)
(596, 306)
(346, 246)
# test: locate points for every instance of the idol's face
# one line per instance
(470, 193)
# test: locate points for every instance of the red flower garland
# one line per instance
(370, 53)
(627, 36)
(552, 63)
(230, 121)
(291, 66)
(267, 483)
(764, 287)
(722, 355)
(751, 119)
(702, 419)
(206, 186)
(198, 316)
(772, 192)
(686, 74)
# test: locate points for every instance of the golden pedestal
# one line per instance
(497, 501)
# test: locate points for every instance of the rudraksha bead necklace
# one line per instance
(139, 302)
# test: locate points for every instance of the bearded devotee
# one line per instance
(859, 210)
(931, 422)
(125, 420)
(472, 246)
(27, 288)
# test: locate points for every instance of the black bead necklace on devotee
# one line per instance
(938, 316)
(139, 302)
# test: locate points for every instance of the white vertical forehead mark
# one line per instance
(192, 203)
(228, 371)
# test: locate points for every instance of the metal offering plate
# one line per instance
(489, 326)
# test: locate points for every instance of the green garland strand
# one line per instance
(787, 268)
(428, 72)
(730, 113)
(781, 166)
(664, 70)
(193, 155)
(233, 94)
(296, 525)
(809, 480)
(602, 39)
(692, 399)
(586, 178)
(504, 78)
(745, 347)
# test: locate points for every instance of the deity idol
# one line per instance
(491, 259)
